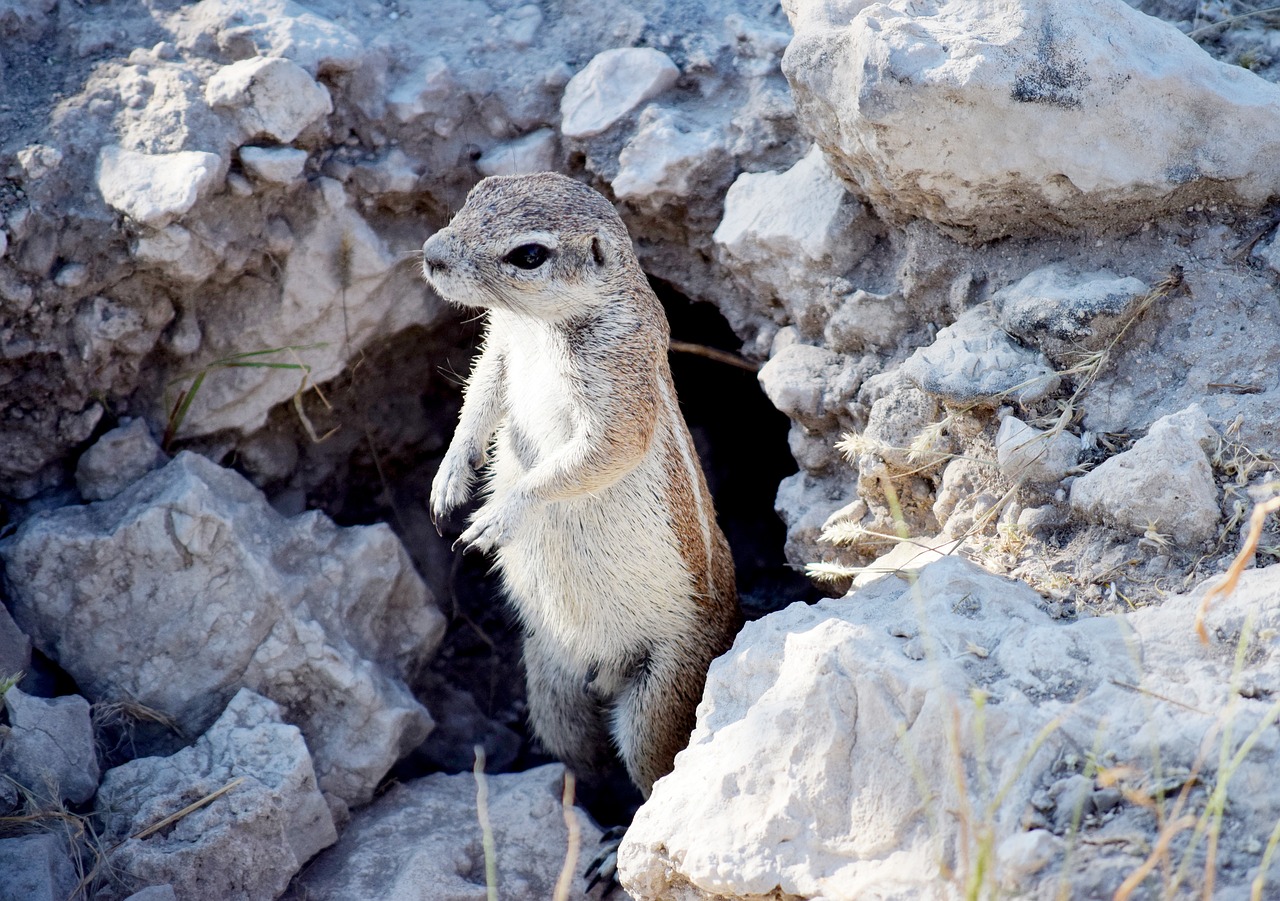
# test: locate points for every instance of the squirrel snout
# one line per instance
(434, 254)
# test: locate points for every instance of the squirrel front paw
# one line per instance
(494, 525)
(451, 487)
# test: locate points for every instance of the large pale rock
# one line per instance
(973, 360)
(155, 188)
(610, 86)
(526, 155)
(271, 96)
(421, 841)
(860, 748)
(783, 233)
(279, 165)
(667, 159)
(244, 845)
(342, 291)
(1163, 483)
(1010, 117)
(272, 28)
(804, 382)
(192, 573)
(49, 749)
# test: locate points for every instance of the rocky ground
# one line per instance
(1008, 272)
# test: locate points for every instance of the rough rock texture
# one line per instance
(421, 841)
(1066, 313)
(244, 845)
(1163, 483)
(870, 746)
(783, 234)
(209, 221)
(613, 84)
(37, 868)
(117, 460)
(1025, 452)
(15, 646)
(48, 748)
(191, 571)
(241, 178)
(1040, 114)
(974, 361)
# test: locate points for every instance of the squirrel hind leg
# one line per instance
(568, 719)
(654, 714)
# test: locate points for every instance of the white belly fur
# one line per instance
(600, 577)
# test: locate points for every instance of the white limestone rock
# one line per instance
(1014, 117)
(190, 571)
(784, 232)
(156, 188)
(279, 165)
(177, 253)
(246, 844)
(117, 460)
(1164, 483)
(1025, 452)
(331, 311)
(973, 360)
(49, 749)
(273, 28)
(667, 159)
(609, 87)
(803, 381)
(430, 90)
(527, 154)
(1063, 312)
(271, 96)
(855, 748)
(421, 842)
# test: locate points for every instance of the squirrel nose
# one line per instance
(434, 256)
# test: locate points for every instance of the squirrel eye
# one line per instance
(528, 256)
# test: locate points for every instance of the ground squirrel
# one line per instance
(596, 507)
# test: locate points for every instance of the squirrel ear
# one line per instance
(597, 251)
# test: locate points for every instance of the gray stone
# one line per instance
(666, 160)
(1164, 483)
(117, 460)
(192, 573)
(1065, 313)
(534, 152)
(36, 868)
(246, 844)
(1039, 457)
(279, 165)
(49, 750)
(155, 188)
(610, 86)
(799, 380)
(421, 841)
(973, 360)
(154, 893)
(15, 647)
(271, 97)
